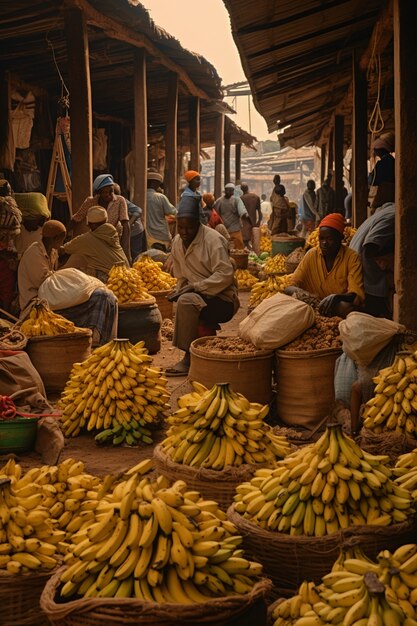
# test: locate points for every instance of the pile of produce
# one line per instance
(269, 287)
(406, 471)
(239, 252)
(323, 488)
(114, 392)
(358, 592)
(394, 405)
(312, 240)
(227, 345)
(152, 275)
(43, 322)
(216, 428)
(265, 244)
(127, 285)
(323, 335)
(275, 264)
(158, 542)
(296, 256)
(263, 256)
(27, 534)
(245, 279)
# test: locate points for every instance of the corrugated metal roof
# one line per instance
(297, 57)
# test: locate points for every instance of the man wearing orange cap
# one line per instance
(332, 271)
(193, 179)
(213, 217)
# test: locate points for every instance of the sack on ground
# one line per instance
(67, 288)
(18, 376)
(276, 321)
(364, 336)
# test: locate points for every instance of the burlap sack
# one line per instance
(18, 376)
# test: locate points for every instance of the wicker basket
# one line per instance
(390, 442)
(241, 259)
(218, 485)
(245, 610)
(19, 599)
(165, 306)
(289, 560)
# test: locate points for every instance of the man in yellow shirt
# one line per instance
(332, 272)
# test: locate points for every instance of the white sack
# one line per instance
(67, 288)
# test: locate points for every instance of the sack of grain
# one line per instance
(67, 288)
(364, 336)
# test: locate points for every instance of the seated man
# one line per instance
(332, 272)
(96, 252)
(206, 291)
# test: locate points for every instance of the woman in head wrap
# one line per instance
(332, 271)
(381, 180)
(116, 207)
(213, 217)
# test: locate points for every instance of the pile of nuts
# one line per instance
(324, 334)
(227, 345)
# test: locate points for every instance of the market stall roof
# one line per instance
(297, 57)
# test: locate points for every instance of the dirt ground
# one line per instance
(103, 460)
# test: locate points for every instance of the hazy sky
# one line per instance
(203, 26)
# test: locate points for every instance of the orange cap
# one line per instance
(190, 175)
(335, 221)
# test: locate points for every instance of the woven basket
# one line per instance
(241, 260)
(141, 304)
(245, 610)
(289, 560)
(165, 306)
(218, 485)
(19, 599)
(392, 443)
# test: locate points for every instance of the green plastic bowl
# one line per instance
(18, 435)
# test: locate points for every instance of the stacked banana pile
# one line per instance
(358, 592)
(43, 322)
(245, 279)
(126, 285)
(406, 471)
(265, 244)
(152, 275)
(116, 393)
(269, 287)
(27, 535)
(157, 542)
(312, 240)
(394, 405)
(217, 428)
(275, 264)
(323, 488)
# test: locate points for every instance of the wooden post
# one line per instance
(330, 158)
(171, 186)
(238, 161)
(4, 115)
(194, 123)
(359, 165)
(405, 103)
(227, 178)
(141, 130)
(323, 163)
(218, 158)
(80, 105)
(338, 162)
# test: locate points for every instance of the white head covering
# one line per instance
(155, 176)
(229, 186)
(104, 180)
(96, 214)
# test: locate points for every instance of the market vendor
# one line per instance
(331, 271)
(99, 313)
(96, 252)
(206, 291)
(192, 190)
(232, 210)
(158, 208)
(115, 205)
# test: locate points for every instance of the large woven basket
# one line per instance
(218, 485)
(289, 560)
(19, 599)
(245, 610)
(165, 306)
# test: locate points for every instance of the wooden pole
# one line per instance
(194, 111)
(338, 162)
(359, 165)
(323, 162)
(405, 102)
(227, 178)
(141, 130)
(330, 153)
(218, 158)
(80, 106)
(238, 161)
(171, 186)
(4, 115)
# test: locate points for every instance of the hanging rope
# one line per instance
(64, 99)
(376, 121)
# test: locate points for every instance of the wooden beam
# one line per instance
(194, 122)
(405, 100)
(80, 106)
(171, 185)
(330, 153)
(359, 165)
(218, 157)
(141, 130)
(238, 161)
(338, 162)
(227, 178)
(323, 163)
(121, 32)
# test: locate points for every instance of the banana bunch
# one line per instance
(323, 488)
(394, 405)
(28, 537)
(245, 279)
(300, 605)
(114, 392)
(406, 471)
(152, 275)
(217, 428)
(399, 574)
(275, 264)
(157, 542)
(265, 244)
(269, 287)
(312, 240)
(43, 322)
(126, 285)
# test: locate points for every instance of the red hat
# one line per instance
(335, 221)
(190, 175)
